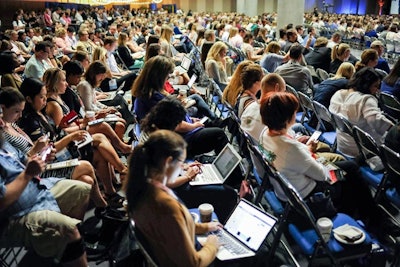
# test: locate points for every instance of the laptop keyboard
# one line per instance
(207, 175)
(230, 243)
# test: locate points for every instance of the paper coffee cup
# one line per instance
(325, 226)
(183, 93)
(90, 114)
(206, 211)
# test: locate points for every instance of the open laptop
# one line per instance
(185, 65)
(244, 232)
(186, 86)
(111, 94)
(218, 171)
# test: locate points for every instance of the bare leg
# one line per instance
(84, 172)
(106, 129)
(104, 172)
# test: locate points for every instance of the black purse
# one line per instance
(321, 205)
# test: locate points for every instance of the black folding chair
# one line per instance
(143, 245)
(310, 240)
(390, 105)
(325, 121)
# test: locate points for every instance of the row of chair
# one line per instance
(309, 240)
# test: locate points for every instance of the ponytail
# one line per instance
(136, 187)
(148, 161)
(334, 52)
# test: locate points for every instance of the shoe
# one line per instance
(109, 213)
(220, 123)
(114, 200)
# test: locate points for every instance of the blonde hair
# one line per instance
(166, 33)
(122, 38)
(99, 53)
(215, 50)
(233, 31)
(345, 70)
(51, 77)
(60, 31)
(233, 89)
(338, 50)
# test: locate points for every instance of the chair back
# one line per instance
(290, 89)
(322, 74)
(323, 115)
(143, 244)
(365, 143)
(306, 104)
(342, 124)
(390, 104)
(391, 160)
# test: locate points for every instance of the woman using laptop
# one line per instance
(165, 223)
(166, 115)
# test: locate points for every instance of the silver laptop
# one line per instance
(188, 85)
(111, 94)
(185, 65)
(218, 171)
(244, 232)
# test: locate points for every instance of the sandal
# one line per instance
(115, 200)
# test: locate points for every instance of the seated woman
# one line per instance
(248, 49)
(125, 53)
(391, 83)
(202, 109)
(251, 84)
(100, 54)
(272, 57)
(232, 90)
(149, 90)
(340, 53)
(216, 64)
(360, 106)
(326, 89)
(12, 103)
(8, 70)
(94, 75)
(297, 163)
(37, 124)
(165, 223)
(369, 58)
(166, 115)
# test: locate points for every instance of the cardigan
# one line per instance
(170, 231)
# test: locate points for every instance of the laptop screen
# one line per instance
(185, 62)
(249, 225)
(227, 159)
(192, 80)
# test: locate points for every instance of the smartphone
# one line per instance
(90, 123)
(45, 151)
(204, 119)
(314, 137)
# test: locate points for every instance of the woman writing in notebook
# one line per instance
(164, 221)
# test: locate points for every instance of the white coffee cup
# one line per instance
(206, 211)
(325, 226)
(90, 114)
(183, 93)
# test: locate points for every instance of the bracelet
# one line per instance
(51, 58)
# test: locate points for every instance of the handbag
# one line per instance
(321, 205)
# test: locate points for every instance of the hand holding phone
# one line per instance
(45, 152)
(314, 137)
(203, 120)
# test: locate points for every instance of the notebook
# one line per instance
(185, 65)
(188, 85)
(244, 232)
(218, 171)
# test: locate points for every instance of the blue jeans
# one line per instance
(202, 107)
